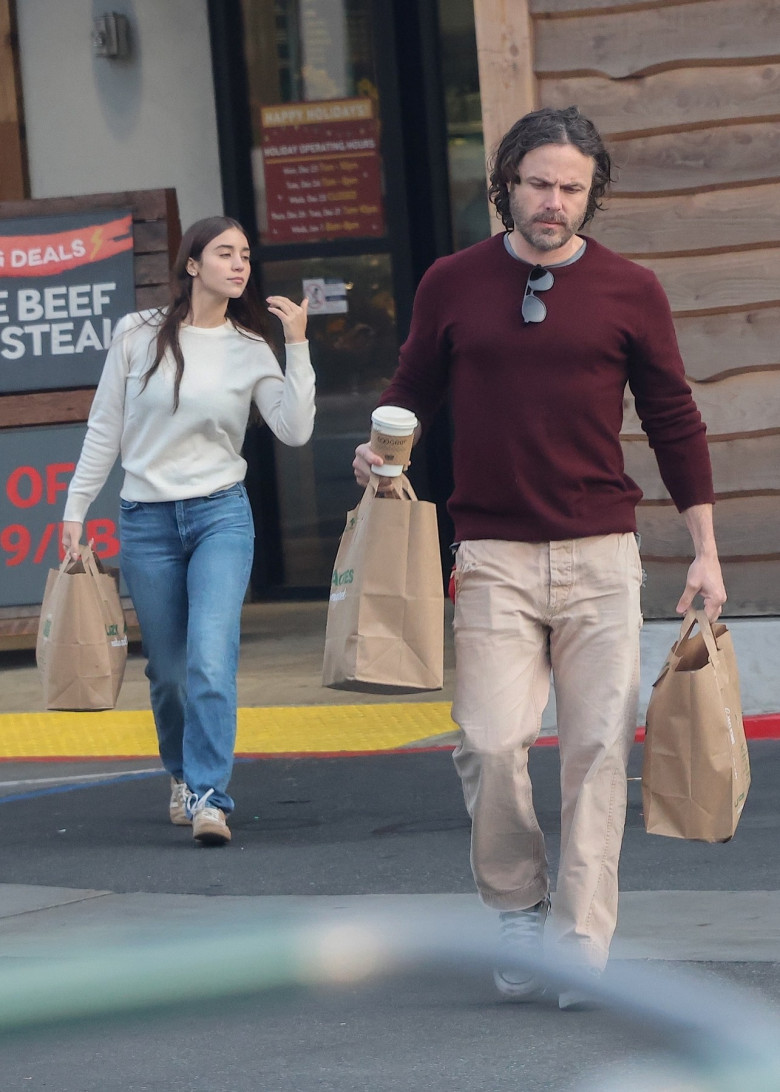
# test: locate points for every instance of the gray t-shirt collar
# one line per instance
(556, 265)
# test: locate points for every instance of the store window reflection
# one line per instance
(465, 143)
(310, 51)
(319, 184)
(319, 180)
(355, 352)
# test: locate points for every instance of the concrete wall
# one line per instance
(96, 125)
(756, 644)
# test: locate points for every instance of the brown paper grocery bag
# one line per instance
(385, 626)
(82, 638)
(696, 769)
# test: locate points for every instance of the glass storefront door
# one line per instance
(352, 147)
(318, 181)
(469, 207)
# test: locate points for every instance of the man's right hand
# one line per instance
(71, 538)
(364, 459)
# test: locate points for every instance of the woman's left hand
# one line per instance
(292, 316)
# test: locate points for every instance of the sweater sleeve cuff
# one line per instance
(296, 353)
(76, 508)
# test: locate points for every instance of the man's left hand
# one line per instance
(705, 579)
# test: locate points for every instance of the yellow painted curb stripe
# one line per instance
(311, 729)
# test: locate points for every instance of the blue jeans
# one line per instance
(187, 566)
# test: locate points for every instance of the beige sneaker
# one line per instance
(209, 826)
(177, 809)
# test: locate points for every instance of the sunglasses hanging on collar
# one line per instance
(539, 280)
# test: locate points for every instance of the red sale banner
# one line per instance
(47, 255)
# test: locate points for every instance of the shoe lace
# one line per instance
(523, 926)
(197, 803)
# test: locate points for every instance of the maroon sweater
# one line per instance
(537, 409)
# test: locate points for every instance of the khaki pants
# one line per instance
(523, 609)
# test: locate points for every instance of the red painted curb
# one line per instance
(766, 726)
(761, 726)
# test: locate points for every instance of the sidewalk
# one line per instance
(281, 664)
(283, 707)
(108, 908)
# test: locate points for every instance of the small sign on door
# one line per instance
(326, 296)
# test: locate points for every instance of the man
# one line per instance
(535, 334)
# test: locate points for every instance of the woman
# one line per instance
(173, 401)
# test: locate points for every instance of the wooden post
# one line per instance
(14, 181)
(507, 81)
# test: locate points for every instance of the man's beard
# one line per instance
(542, 238)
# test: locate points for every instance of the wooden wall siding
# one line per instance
(742, 522)
(731, 406)
(687, 94)
(727, 154)
(568, 7)
(156, 236)
(13, 159)
(748, 544)
(654, 36)
(712, 221)
(716, 346)
(714, 282)
(741, 465)
(677, 98)
(749, 582)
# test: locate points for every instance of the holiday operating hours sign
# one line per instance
(321, 167)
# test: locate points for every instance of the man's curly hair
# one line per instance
(547, 126)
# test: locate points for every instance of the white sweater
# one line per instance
(195, 451)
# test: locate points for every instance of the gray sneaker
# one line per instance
(579, 1000)
(520, 931)
(177, 809)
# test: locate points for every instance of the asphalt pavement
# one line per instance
(93, 870)
(337, 943)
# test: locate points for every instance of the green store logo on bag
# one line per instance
(112, 631)
(338, 579)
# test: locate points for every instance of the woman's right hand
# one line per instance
(292, 317)
(71, 539)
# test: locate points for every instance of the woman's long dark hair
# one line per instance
(247, 313)
(548, 126)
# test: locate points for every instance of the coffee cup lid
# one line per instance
(394, 416)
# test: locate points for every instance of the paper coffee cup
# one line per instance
(392, 435)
